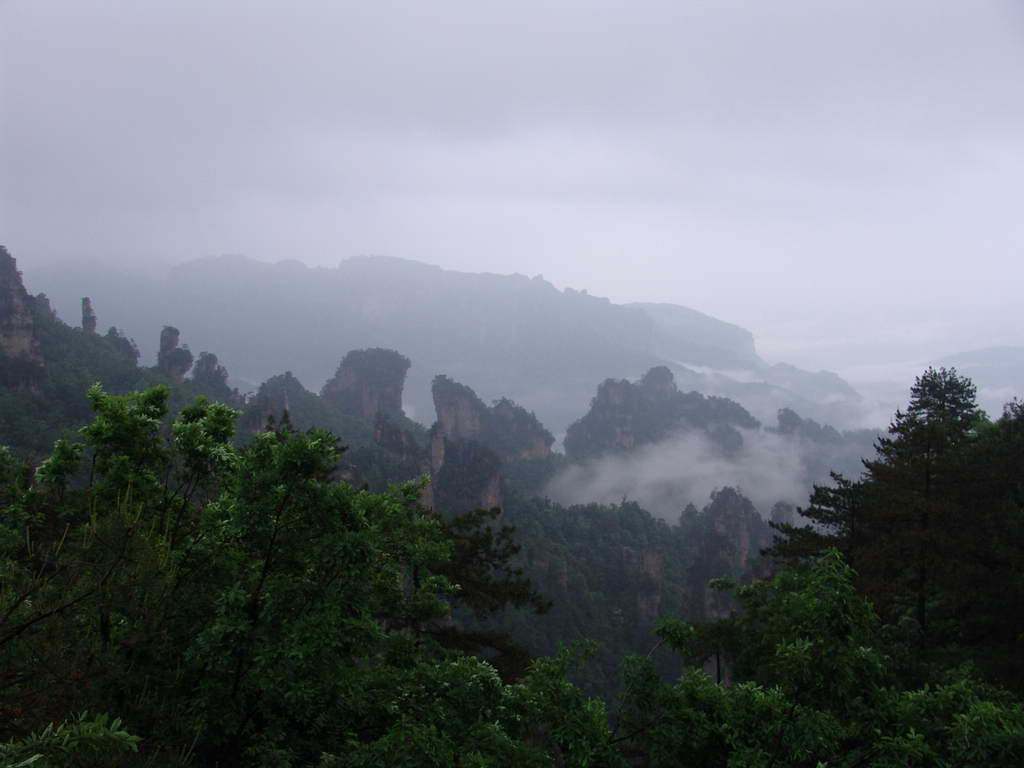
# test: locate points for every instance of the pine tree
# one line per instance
(917, 472)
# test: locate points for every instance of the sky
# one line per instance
(841, 177)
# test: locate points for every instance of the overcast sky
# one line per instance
(843, 177)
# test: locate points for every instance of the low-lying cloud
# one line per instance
(665, 477)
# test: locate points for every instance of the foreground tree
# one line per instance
(815, 685)
(934, 529)
(238, 607)
(915, 478)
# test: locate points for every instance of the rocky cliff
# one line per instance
(466, 470)
(461, 415)
(685, 335)
(624, 415)
(210, 379)
(88, 316)
(510, 442)
(368, 382)
(728, 535)
(512, 432)
(17, 337)
(468, 477)
(173, 360)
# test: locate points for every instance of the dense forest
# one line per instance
(191, 576)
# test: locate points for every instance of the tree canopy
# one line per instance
(169, 598)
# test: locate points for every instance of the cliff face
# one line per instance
(460, 413)
(516, 445)
(731, 535)
(470, 442)
(689, 336)
(173, 360)
(210, 378)
(517, 434)
(271, 400)
(624, 415)
(393, 439)
(468, 477)
(88, 316)
(17, 336)
(509, 430)
(648, 571)
(368, 382)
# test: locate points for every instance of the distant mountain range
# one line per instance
(506, 335)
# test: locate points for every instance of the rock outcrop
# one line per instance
(461, 415)
(173, 360)
(731, 535)
(468, 476)
(484, 443)
(282, 401)
(397, 441)
(210, 378)
(368, 382)
(624, 415)
(88, 316)
(517, 434)
(512, 432)
(17, 323)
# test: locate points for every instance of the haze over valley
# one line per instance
(549, 384)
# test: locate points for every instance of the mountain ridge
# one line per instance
(512, 335)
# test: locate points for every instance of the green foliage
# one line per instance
(611, 571)
(814, 686)
(80, 743)
(305, 410)
(56, 472)
(471, 472)
(124, 437)
(43, 403)
(935, 531)
(238, 607)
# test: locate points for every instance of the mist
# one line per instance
(827, 175)
(663, 478)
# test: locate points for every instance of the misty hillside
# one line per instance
(511, 335)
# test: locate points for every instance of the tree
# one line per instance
(934, 530)
(815, 686)
(838, 521)
(915, 477)
(481, 565)
(239, 607)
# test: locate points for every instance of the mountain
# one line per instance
(686, 335)
(510, 335)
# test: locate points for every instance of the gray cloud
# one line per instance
(665, 477)
(832, 175)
